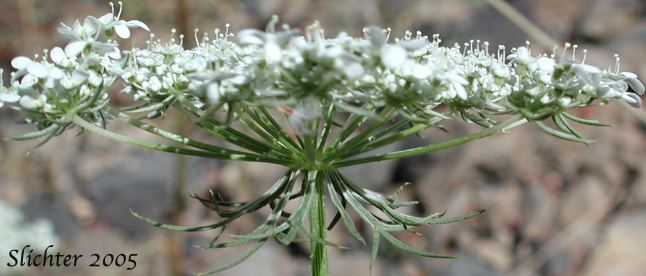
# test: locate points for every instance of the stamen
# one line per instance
(112, 6)
(617, 63)
(205, 39)
(120, 10)
(501, 53)
(197, 40)
(567, 46)
(585, 54)
(574, 51)
(150, 41)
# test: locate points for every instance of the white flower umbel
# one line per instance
(313, 104)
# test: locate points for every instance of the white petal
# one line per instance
(421, 72)
(414, 45)
(50, 83)
(28, 81)
(546, 64)
(122, 30)
(56, 73)
(628, 75)
(333, 52)
(461, 92)
(79, 76)
(250, 37)
(116, 54)
(94, 79)
(376, 36)
(393, 56)
(137, 23)
(37, 69)
(273, 53)
(632, 99)
(607, 93)
(632, 81)
(29, 102)
(75, 48)
(7, 97)
(57, 55)
(20, 62)
(353, 71)
(213, 92)
(238, 80)
(107, 18)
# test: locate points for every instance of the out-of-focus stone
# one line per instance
(582, 198)
(621, 252)
(468, 265)
(608, 19)
(538, 215)
(558, 17)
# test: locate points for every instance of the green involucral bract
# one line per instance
(309, 103)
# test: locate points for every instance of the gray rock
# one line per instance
(621, 251)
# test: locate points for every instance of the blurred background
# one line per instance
(557, 208)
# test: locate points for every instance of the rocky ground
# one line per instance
(557, 208)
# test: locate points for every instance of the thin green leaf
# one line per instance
(561, 135)
(175, 227)
(584, 121)
(375, 249)
(319, 240)
(238, 261)
(36, 134)
(399, 244)
(349, 224)
(436, 218)
(297, 218)
(148, 108)
(392, 198)
(264, 231)
(567, 125)
(357, 110)
(235, 243)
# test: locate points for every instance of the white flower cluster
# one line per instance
(304, 74)
(16, 234)
(62, 83)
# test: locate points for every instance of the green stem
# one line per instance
(166, 148)
(222, 131)
(318, 227)
(361, 139)
(393, 138)
(175, 137)
(510, 123)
